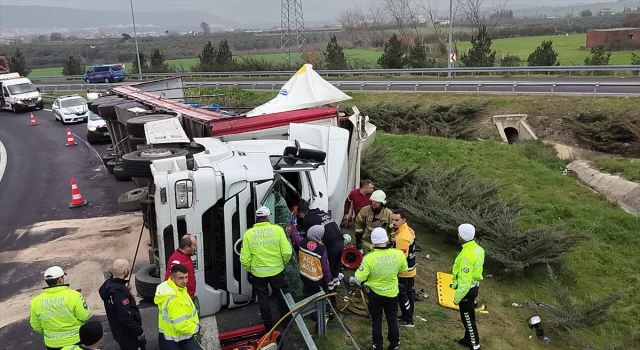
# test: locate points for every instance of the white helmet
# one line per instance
(347, 238)
(378, 196)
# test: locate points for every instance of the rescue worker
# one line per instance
(467, 274)
(312, 260)
(264, 253)
(406, 243)
(90, 335)
(178, 320)
(333, 240)
(58, 312)
(122, 311)
(358, 199)
(187, 246)
(374, 215)
(379, 274)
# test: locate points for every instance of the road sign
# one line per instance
(452, 58)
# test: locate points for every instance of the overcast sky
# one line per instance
(261, 11)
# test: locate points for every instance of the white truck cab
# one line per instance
(216, 197)
(18, 93)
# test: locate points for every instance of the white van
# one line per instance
(19, 93)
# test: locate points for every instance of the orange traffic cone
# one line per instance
(70, 140)
(76, 197)
(33, 120)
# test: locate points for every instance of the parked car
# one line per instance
(107, 73)
(70, 109)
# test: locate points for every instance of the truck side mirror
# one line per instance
(312, 155)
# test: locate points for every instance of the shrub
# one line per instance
(602, 131)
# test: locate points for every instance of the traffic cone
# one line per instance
(76, 197)
(33, 120)
(70, 140)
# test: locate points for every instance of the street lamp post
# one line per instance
(135, 37)
(450, 36)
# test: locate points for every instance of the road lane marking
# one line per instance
(3, 160)
(94, 151)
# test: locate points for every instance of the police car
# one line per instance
(70, 109)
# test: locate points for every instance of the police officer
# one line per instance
(58, 312)
(379, 274)
(123, 314)
(467, 274)
(90, 335)
(406, 243)
(178, 321)
(370, 217)
(264, 253)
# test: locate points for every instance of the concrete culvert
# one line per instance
(512, 134)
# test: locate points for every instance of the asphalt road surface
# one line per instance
(35, 187)
(564, 86)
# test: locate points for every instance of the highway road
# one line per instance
(538, 85)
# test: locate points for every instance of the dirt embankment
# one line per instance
(86, 253)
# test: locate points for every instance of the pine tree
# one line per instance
(157, 63)
(143, 64)
(480, 54)
(599, 57)
(18, 63)
(544, 55)
(72, 66)
(417, 57)
(392, 57)
(207, 58)
(223, 56)
(334, 55)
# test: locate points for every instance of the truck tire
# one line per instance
(107, 110)
(107, 157)
(93, 106)
(130, 201)
(133, 142)
(137, 163)
(147, 282)
(110, 165)
(135, 125)
(119, 174)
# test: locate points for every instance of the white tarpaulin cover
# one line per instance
(306, 89)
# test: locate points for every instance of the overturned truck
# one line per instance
(205, 173)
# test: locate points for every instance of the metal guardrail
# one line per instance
(595, 88)
(405, 71)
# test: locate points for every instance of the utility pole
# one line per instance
(135, 37)
(450, 36)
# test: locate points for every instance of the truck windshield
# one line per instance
(72, 102)
(23, 88)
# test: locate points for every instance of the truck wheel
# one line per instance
(93, 107)
(130, 201)
(135, 125)
(119, 174)
(147, 280)
(107, 157)
(137, 163)
(107, 110)
(133, 142)
(110, 165)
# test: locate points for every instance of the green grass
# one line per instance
(605, 265)
(619, 166)
(568, 48)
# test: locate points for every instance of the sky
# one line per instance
(259, 11)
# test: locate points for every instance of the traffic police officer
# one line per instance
(467, 274)
(370, 217)
(379, 274)
(265, 251)
(58, 312)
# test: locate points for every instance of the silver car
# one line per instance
(70, 109)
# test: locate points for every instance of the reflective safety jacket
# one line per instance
(467, 269)
(379, 271)
(367, 220)
(177, 317)
(406, 242)
(312, 261)
(57, 313)
(265, 250)
(76, 347)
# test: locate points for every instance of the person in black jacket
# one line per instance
(333, 240)
(122, 312)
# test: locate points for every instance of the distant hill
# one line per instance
(29, 17)
(616, 6)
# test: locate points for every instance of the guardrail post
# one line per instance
(513, 88)
(388, 86)
(478, 88)
(552, 87)
(416, 87)
(253, 86)
(273, 86)
(362, 86)
(446, 87)
(595, 89)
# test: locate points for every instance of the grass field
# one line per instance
(568, 48)
(619, 166)
(594, 269)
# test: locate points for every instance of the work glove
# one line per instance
(353, 281)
